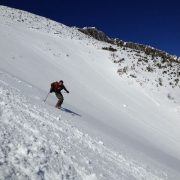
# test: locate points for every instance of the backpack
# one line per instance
(54, 87)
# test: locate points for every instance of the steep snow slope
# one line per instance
(39, 143)
(129, 120)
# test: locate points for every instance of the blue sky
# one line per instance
(155, 22)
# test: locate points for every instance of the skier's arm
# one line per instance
(66, 89)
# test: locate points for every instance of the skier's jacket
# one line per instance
(57, 87)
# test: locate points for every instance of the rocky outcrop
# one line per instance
(101, 36)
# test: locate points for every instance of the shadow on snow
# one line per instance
(70, 112)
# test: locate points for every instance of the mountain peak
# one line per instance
(149, 50)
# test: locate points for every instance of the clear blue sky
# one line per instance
(155, 22)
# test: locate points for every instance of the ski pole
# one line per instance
(46, 97)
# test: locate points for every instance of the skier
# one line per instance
(57, 87)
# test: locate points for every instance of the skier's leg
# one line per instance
(58, 104)
(60, 100)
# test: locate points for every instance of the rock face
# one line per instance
(101, 36)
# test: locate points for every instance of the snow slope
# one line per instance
(109, 127)
(39, 143)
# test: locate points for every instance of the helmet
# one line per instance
(61, 81)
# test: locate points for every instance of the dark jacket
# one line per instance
(58, 87)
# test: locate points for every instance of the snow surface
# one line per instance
(110, 127)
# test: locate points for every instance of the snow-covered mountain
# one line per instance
(120, 120)
(141, 59)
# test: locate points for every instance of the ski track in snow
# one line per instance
(37, 144)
